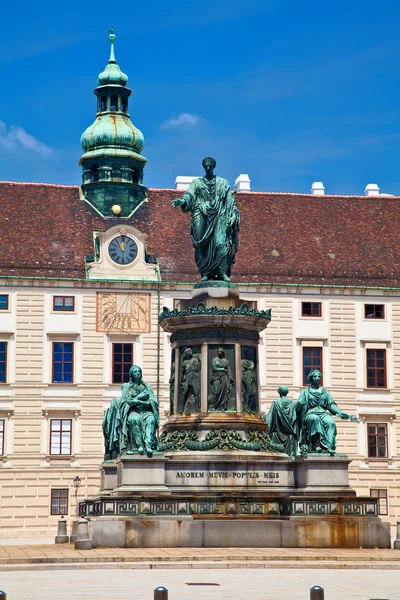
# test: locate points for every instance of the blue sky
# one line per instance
(288, 91)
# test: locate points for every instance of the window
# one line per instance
(311, 309)
(377, 440)
(124, 104)
(312, 359)
(2, 437)
(63, 362)
(122, 362)
(103, 104)
(3, 362)
(376, 368)
(60, 436)
(3, 301)
(59, 502)
(64, 303)
(114, 103)
(135, 176)
(374, 311)
(94, 173)
(382, 500)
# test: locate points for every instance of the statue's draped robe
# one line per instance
(115, 422)
(221, 382)
(315, 417)
(249, 386)
(283, 425)
(214, 226)
(191, 385)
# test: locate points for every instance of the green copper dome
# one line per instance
(112, 74)
(112, 130)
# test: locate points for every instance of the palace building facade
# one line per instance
(85, 271)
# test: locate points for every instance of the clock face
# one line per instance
(123, 250)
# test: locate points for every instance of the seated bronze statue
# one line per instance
(131, 422)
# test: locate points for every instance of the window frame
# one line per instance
(311, 316)
(61, 420)
(312, 367)
(377, 436)
(376, 368)
(63, 309)
(122, 363)
(53, 497)
(5, 362)
(2, 436)
(7, 307)
(379, 497)
(62, 363)
(374, 318)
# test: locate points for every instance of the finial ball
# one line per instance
(112, 37)
(116, 209)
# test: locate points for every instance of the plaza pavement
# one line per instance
(64, 556)
(235, 584)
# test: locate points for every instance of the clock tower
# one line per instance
(112, 180)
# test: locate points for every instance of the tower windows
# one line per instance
(135, 176)
(124, 105)
(114, 103)
(94, 173)
(103, 104)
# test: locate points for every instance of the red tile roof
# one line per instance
(46, 230)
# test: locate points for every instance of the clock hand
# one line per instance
(121, 245)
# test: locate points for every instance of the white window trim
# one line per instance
(376, 414)
(361, 374)
(317, 342)
(57, 410)
(75, 338)
(117, 338)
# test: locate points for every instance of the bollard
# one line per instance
(61, 537)
(3, 595)
(396, 544)
(83, 542)
(74, 532)
(317, 593)
(160, 593)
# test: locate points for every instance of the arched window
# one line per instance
(94, 173)
(114, 103)
(103, 104)
(124, 105)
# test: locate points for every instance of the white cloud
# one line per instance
(15, 138)
(181, 120)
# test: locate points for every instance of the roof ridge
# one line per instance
(61, 185)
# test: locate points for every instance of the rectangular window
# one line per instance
(3, 362)
(374, 311)
(376, 368)
(59, 502)
(63, 362)
(377, 440)
(60, 436)
(64, 303)
(312, 359)
(382, 500)
(3, 301)
(2, 427)
(122, 362)
(311, 309)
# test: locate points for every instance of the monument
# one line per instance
(219, 473)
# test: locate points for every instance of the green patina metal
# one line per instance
(200, 309)
(217, 439)
(112, 161)
(215, 223)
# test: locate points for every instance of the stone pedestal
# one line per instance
(321, 473)
(137, 473)
(396, 544)
(62, 537)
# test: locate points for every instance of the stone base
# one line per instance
(61, 539)
(186, 532)
(319, 472)
(83, 545)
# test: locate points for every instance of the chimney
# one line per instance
(182, 182)
(317, 188)
(242, 183)
(371, 190)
